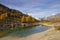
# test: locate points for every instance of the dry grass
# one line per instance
(57, 27)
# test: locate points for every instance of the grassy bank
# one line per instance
(6, 32)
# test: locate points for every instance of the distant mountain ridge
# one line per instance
(54, 18)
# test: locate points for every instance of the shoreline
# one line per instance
(8, 31)
(36, 36)
(50, 34)
(31, 37)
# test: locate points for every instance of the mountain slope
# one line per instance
(11, 17)
(54, 18)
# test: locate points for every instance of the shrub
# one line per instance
(57, 27)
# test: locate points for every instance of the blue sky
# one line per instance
(36, 8)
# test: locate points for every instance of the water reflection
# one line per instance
(28, 31)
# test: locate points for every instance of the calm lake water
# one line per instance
(29, 31)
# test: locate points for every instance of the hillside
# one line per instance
(11, 17)
(54, 18)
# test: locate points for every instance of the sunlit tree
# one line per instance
(23, 19)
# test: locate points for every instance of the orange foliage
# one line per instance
(2, 16)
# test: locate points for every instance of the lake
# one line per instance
(29, 31)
